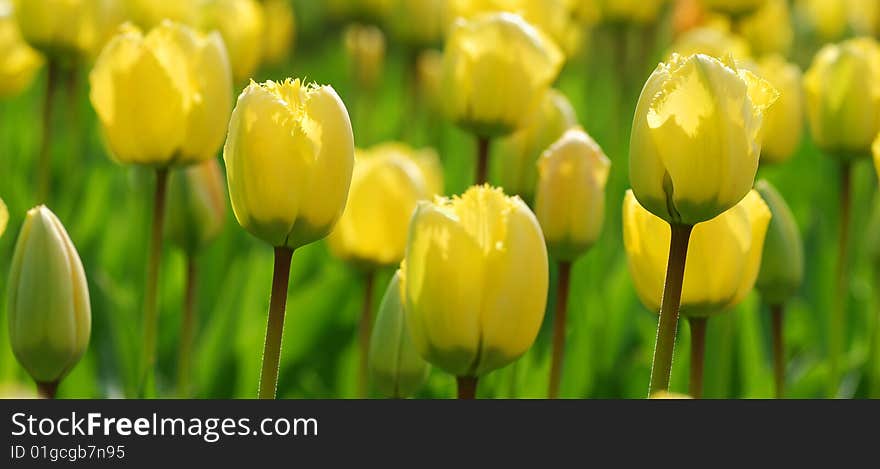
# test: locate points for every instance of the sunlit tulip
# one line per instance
(827, 18)
(179, 83)
(549, 16)
(570, 201)
(396, 368)
(57, 27)
(48, 299)
(18, 61)
(480, 59)
(419, 23)
(782, 264)
(196, 205)
(734, 7)
(864, 16)
(150, 13)
(365, 47)
(711, 41)
(723, 259)
(475, 278)
(426, 159)
(4, 217)
(842, 88)
(784, 121)
(241, 23)
(289, 157)
(519, 152)
(280, 30)
(769, 29)
(696, 138)
(386, 184)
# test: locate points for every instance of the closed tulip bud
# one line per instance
(826, 18)
(18, 61)
(769, 29)
(386, 184)
(289, 157)
(61, 27)
(864, 16)
(723, 257)
(784, 121)
(419, 23)
(280, 30)
(396, 368)
(48, 299)
(481, 56)
(365, 46)
(842, 88)
(520, 151)
(570, 202)
(150, 13)
(552, 17)
(695, 138)
(241, 23)
(475, 278)
(734, 7)
(196, 205)
(178, 81)
(782, 264)
(713, 42)
(4, 217)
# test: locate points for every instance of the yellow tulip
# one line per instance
(769, 29)
(481, 56)
(864, 16)
(695, 138)
(18, 61)
(386, 184)
(826, 17)
(521, 149)
(280, 30)
(419, 23)
(782, 264)
(48, 299)
(475, 278)
(196, 205)
(150, 13)
(876, 150)
(426, 159)
(396, 368)
(289, 157)
(241, 23)
(570, 202)
(842, 88)
(4, 217)
(61, 26)
(365, 47)
(711, 41)
(734, 7)
(429, 69)
(784, 122)
(162, 99)
(723, 258)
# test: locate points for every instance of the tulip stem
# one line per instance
(668, 323)
(187, 328)
(562, 287)
(151, 311)
(698, 352)
(838, 318)
(482, 160)
(44, 168)
(777, 312)
(467, 387)
(47, 390)
(275, 324)
(364, 330)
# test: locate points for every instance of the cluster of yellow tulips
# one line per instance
(472, 270)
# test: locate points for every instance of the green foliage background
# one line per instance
(106, 208)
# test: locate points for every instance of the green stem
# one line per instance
(838, 318)
(562, 288)
(275, 323)
(467, 387)
(44, 164)
(482, 160)
(698, 352)
(364, 330)
(47, 390)
(151, 311)
(187, 329)
(777, 315)
(668, 323)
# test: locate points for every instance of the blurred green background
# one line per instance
(105, 207)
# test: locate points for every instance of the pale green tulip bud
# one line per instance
(782, 265)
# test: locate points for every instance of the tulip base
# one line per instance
(668, 323)
(467, 387)
(275, 323)
(777, 314)
(47, 390)
(365, 329)
(698, 351)
(151, 292)
(559, 328)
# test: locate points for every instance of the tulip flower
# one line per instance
(289, 156)
(365, 46)
(769, 29)
(396, 367)
(826, 18)
(48, 301)
(784, 122)
(148, 14)
(735, 8)
(4, 217)
(570, 206)
(480, 57)
(722, 264)
(520, 150)
(429, 76)
(713, 42)
(475, 278)
(174, 124)
(196, 215)
(18, 61)
(782, 270)
(694, 153)
(241, 23)
(280, 30)
(843, 109)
